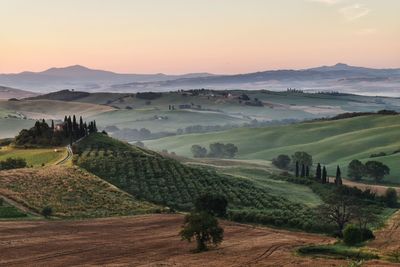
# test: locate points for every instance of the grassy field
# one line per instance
(330, 142)
(70, 192)
(34, 157)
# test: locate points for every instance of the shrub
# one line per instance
(391, 197)
(367, 234)
(12, 163)
(352, 235)
(47, 211)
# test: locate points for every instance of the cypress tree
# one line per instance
(52, 125)
(297, 169)
(318, 174)
(338, 180)
(81, 129)
(65, 126)
(303, 171)
(69, 122)
(324, 176)
(94, 127)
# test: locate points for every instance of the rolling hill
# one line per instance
(164, 181)
(349, 79)
(70, 192)
(330, 142)
(51, 109)
(211, 108)
(7, 93)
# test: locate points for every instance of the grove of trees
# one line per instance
(41, 134)
(216, 150)
(373, 169)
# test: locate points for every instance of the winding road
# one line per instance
(68, 157)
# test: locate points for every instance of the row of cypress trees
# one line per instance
(321, 174)
(75, 131)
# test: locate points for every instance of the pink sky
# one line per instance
(181, 36)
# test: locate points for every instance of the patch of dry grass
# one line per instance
(70, 191)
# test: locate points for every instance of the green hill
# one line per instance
(330, 142)
(152, 177)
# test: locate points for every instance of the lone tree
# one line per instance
(282, 162)
(356, 170)
(203, 227)
(338, 180)
(214, 204)
(338, 209)
(318, 173)
(297, 169)
(377, 170)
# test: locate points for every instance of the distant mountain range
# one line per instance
(340, 77)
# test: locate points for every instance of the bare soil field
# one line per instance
(388, 238)
(150, 240)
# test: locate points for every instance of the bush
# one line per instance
(352, 235)
(391, 197)
(367, 234)
(47, 211)
(12, 163)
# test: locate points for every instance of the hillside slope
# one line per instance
(51, 109)
(70, 192)
(7, 93)
(149, 176)
(330, 142)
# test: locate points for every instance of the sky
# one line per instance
(186, 36)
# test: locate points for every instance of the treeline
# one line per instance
(216, 150)
(42, 134)
(349, 115)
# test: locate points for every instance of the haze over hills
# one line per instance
(80, 77)
(7, 93)
(340, 77)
